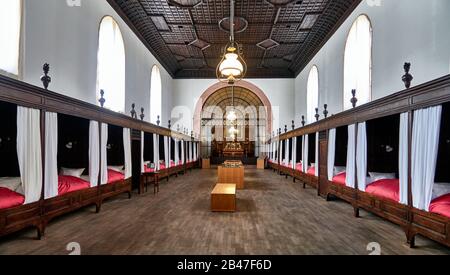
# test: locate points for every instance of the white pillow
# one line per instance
(339, 169)
(118, 168)
(13, 184)
(72, 172)
(313, 164)
(440, 189)
(381, 176)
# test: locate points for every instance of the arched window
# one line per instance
(10, 25)
(155, 95)
(111, 65)
(358, 62)
(312, 94)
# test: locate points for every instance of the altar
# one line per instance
(233, 149)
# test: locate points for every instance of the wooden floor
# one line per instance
(275, 216)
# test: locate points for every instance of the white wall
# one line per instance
(415, 31)
(280, 93)
(67, 38)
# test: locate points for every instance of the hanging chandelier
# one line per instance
(232, 67)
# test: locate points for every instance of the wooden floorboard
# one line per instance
(275, 216)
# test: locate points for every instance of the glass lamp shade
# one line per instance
(231, 116)
(231, 66)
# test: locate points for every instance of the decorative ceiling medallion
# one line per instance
(268, 44)
(184, 3)
(240, 24)
(280, 3)
(202, 45)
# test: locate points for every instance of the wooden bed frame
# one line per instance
(413, 221)
(40, 213)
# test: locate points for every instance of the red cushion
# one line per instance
(441, 205)
(10, 198)
(340, 178)
(388, 189)
(312, 170)
(68, 184)
(149, 170)
(114, 176)
(299, 167)
(162, 166)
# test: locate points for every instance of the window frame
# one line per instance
(370, 98)
(19, 75)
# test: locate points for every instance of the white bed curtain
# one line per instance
(316, 170)
(351, 151)
(177, 154)
(190, 151)
(104, 154)
(331, 153)
(29, 152)
(294, 153)
(94, 153)
(286, 153)
(156, 151)
(403, 158)
(166, 152)
(361, 156)
(127, 152)
(425, 145)
(182, 152)
(51, 156)
(305, 162)
(142, 152)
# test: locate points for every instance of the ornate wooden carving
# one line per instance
(317, 116)
(46, 79)
(169, 124)
(303, 121)
(407, 78)
(325, 111)
(142, 114)
(133, 111)
(102, 99)
(354, 100)
(158, 121)
(293, 125)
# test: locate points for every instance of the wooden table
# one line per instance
(223, 198)
(146, 179)
(232, 175)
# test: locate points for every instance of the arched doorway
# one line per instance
(233, 119)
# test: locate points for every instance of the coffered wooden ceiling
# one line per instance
(279, 37)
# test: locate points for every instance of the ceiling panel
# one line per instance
(189, 43)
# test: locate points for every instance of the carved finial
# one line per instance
(46, 79)
(303, 121)
(279, 131)
(407, 78)
(102, 99)
(285, 128)
(293, 125)
(142, 114)
(133, 111)
(178, 128)
(158, 121)
(354, 100)
(317, 116)
(325, 111)
(170, 126)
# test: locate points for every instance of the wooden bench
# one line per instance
(223, 198)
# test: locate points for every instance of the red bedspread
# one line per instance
(149, 170)
(312, 171)
(441, 206)
(340, 178)
(10, 198)
(68, 184)
(298, 167)
(388, 189)
(114, 176)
